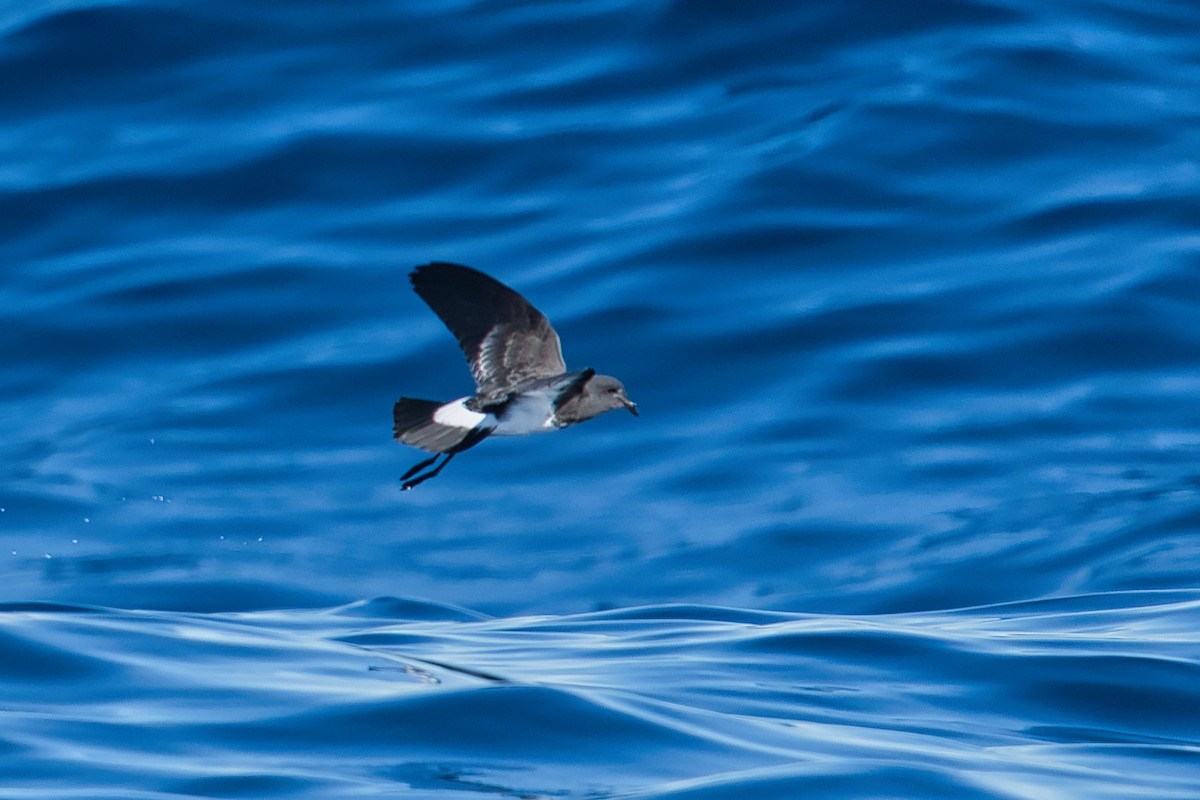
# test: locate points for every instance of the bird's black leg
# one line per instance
(419, 467)
(417, 481)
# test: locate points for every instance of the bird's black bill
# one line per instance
(632, 406)
(410, 481)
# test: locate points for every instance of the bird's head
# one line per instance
(609, 393)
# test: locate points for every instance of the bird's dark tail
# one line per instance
(409, 417)
(412, 423)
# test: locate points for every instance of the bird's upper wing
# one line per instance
(506, 340)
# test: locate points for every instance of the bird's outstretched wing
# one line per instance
(506, 340)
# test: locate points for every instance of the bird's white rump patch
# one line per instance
(455, 414)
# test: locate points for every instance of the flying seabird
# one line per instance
(521, 381)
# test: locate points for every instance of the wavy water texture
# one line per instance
(908, 301)
(1091, 697)
(906, 293)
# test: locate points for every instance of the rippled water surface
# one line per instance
(908, 296)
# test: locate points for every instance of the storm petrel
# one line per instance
(521, 381)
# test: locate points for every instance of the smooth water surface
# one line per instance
(907, 294)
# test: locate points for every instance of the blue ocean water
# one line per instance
(907, 293)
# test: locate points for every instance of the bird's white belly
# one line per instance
(531, 413)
